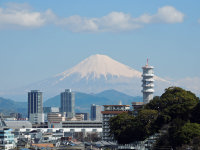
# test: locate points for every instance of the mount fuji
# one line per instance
(95, 74)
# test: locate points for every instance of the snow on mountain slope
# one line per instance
(96, 66)
(95, 74)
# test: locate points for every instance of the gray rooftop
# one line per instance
(16, 124)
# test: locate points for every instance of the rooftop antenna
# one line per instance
(120, 102)
(147, 62)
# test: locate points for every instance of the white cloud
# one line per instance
(166, 14)
(117, 21)
(21, 15)
(16, 15)
(78, 24)
(113, 22)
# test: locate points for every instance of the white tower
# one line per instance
(147, 83)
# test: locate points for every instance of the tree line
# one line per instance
(176, 113)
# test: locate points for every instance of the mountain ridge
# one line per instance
(83, 101)
(8, 106)
(93, 75)
(107, 97)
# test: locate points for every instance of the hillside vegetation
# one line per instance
(175, 113)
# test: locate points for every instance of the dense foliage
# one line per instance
(176, 112)
(120, 127)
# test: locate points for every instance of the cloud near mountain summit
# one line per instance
(22, 16)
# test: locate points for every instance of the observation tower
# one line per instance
(147, 83)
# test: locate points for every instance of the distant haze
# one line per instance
(94, 74)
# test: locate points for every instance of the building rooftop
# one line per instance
(113, 112)
(35, 90)
(44, 145)
(16, 124)
(137, 103)
(117, 105)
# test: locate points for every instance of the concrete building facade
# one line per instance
(35, 106)
(95, 112)
(7, 139)
(67, 103)
(47, 110)
(86, 115)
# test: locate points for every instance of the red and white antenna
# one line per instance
(147, 62)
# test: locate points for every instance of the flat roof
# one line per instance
(43, 145)
(113, 112)
(116, 105)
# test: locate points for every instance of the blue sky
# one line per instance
(39, 39)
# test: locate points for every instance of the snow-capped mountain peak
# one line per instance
(97, 66)
(95, 74)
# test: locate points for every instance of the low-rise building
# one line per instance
(78, 117)
(78, 126)
(47, 110)
(82, 124)
(17, 124)
(7, 139)
(137, 106)
(55, 119)
(86, 115)
(36, 118)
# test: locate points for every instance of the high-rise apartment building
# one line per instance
(35, 106)
(147, 83)
(111, 111)
(95, 112)
(67, 103)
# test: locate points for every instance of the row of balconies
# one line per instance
(106, 127)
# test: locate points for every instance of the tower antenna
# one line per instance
(147, 62)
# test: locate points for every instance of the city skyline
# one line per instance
(41, 45)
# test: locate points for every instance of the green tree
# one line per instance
(174, 103)
(187, 133)
(126, 128)
(169, 113)
(179, 102)
(121, 127)
(195, 114)
(145, 120)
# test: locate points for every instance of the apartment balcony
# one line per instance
(106, 127)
